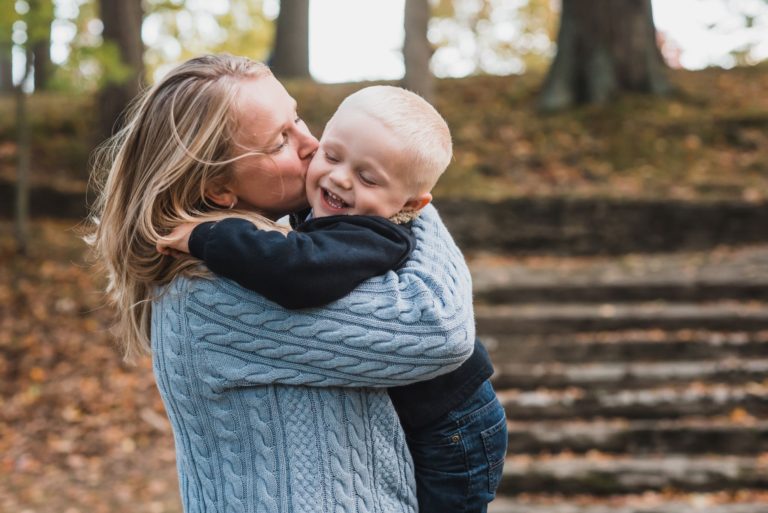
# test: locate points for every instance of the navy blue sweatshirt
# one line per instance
(322, 260)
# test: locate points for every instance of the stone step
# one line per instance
(622, 291)
(637, 345)
(694, 399)
(725, 272)
(744, 501)
(627, 375)
(544, 318)
(601, 474)
(739, 434)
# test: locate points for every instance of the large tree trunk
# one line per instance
(290, 57)
(604, 47)
(122, 27)
(417, 50)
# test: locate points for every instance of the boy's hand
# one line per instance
(177, 242)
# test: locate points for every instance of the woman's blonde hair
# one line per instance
(178, 138)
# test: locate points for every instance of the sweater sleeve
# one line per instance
(322, 262)
(399, 328)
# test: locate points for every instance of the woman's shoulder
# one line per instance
(207, 292)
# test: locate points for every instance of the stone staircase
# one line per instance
(632, 384)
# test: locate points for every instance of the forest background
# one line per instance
(580, 100)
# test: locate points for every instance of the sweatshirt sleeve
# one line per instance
(395, 329)
(322, 262)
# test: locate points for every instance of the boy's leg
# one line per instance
(459, 461)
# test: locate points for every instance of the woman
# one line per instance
(272, 410)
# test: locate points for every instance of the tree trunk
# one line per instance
(604, 47)
(42, 64)
(122, 27)
(6, 45)
(417, 50)
(6, 69)
(290, 57)
(21, 211)
(41, 41)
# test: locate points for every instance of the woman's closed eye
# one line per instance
(282, 143)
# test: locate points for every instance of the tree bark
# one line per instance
(24, 152)
(122, 27)
(6, 69)
(41, 42)
(42, 64)
(290, 57)
(6, 45)
(604, 47)
(417, 51)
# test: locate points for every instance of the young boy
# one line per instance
(380, 155)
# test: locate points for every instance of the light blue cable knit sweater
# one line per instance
(283, 411)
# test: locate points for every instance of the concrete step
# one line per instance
(739, 434)
(694, 399)
(627, 375)
(633, 345)
(724, 272)
(544, 318)
(649, 502)
(600, 474)
(623, 290)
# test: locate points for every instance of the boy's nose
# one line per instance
(341, 179)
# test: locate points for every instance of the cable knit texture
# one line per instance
(284, 411)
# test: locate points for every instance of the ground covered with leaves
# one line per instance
(708, 141)
(80, 431)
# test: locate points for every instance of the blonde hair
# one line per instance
(152, 176)
(422, 131)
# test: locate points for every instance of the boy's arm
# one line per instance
(321, 263)
(395, 329)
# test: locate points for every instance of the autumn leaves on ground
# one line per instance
(79, 430)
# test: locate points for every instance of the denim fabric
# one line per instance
(459, 460)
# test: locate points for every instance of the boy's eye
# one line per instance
(298, 119)
(367, 180)
(331, 158)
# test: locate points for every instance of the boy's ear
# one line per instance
(220, 194)
(418, 202)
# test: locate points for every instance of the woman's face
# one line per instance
(271, 185)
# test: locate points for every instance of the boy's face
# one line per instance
(359, 169)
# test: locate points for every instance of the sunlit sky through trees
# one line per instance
(354, 40)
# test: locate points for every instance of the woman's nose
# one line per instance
(307, 144)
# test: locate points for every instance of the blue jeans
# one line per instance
(459, 460)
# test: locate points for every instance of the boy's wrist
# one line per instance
(199, 236)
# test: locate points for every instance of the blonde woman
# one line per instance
(272, 410)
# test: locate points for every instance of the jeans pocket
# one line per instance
(495, 445)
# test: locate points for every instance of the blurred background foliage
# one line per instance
(81, 431)
(529, 116)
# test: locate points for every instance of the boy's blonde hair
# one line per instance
(424, 135)
(152, 175)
